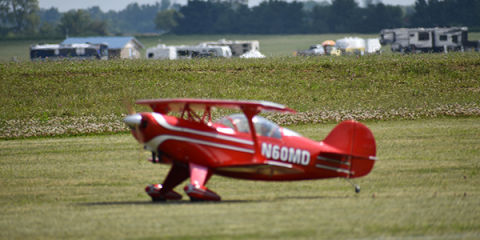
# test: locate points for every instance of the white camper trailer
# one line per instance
(426, 39)
(238, 47)
(161, 51)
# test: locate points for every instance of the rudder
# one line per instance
(355, 143)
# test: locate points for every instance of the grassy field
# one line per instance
(425, 186)
(270, 45)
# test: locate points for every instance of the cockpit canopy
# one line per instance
(263, 127)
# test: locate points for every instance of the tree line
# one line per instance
(24, 18)
(50, 23)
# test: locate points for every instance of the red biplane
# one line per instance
(244, 146)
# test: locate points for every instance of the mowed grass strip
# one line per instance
(425, 185)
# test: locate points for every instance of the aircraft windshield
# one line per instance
(263, 127)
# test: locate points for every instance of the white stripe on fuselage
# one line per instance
(153, 144)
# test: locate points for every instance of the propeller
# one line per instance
(129, 107)
(133, 121)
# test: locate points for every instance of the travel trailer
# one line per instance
(238, 47)
(438, 39)
(68, 51)
(161, 51)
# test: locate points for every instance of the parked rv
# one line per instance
(238, 47)
(438, 39)
(161, 51)
(124, 47)
(68, 51)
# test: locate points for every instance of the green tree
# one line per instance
(319, 18)
(199, 17)
(164, 5)
(433, 13)
(380, 16)
(79, 23)
(4, 10)
(19, 15)
(98, 27)
(51, 15)
(5, 24)
(166, 20)
(345, 16)
(278, 17)
(24, 15)
(48, 29)
(421, 16)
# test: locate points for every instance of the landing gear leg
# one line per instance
(196, 190)
(357, 188)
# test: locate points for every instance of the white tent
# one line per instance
(372, 45)
(252, 54)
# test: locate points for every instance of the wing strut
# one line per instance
(250, 113)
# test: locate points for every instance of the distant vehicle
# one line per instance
(326, 48)
(161, 51)
(330, 47)
(238, 47)
(68, 51)
(314, 50)
(417, 40)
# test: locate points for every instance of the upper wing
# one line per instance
(164, 106)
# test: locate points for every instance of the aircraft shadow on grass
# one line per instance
(203, 202)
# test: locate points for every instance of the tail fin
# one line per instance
(353, 144)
